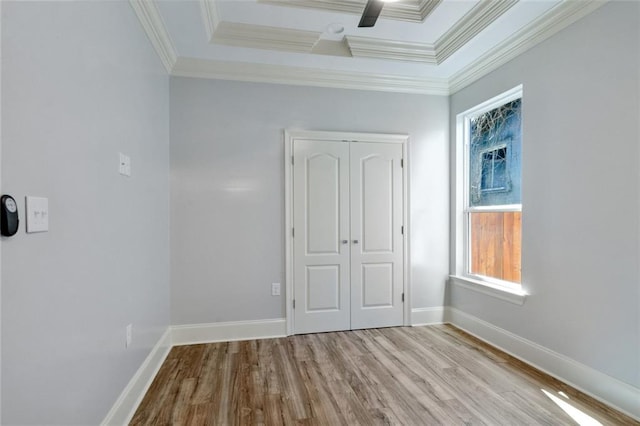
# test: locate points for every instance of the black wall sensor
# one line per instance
(8, 216)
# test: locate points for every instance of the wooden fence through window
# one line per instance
(496, 244)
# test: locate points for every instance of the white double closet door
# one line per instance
(348, 235)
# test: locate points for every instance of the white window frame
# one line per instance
(461, 276)
(501, 145)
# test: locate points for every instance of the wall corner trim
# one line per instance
(428, 316)
(125, 406)
(228, 331)
(613, 392)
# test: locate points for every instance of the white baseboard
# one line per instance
(427, 316)
(128, 401)
(611, 391)
(228, 331)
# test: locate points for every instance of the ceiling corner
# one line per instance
(545, 26)
(210, 16)
(153, 25)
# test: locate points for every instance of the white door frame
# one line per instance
(25, 220)
(289, 137)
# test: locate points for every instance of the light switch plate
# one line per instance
(37, 214)
(275, 289)
(125, 165)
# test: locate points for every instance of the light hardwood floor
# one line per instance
(406, 376)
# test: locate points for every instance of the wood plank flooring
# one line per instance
(394, 376)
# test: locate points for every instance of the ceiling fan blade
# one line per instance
(371, 12)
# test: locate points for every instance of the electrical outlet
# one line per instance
(124, 166)
(129, 332)
(275, 289)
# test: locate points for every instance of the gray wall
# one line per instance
(80, 83)
(227, 188)
(580, 192)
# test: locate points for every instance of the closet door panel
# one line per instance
(377, 252)
(321, 223)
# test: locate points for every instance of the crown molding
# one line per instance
(415, 11)
(264, 37)
(469, 26)
(210, 17)
(424, 8)
(555, 20)
(153, 24)
(280, 74)
(300, 41)
(393, 50)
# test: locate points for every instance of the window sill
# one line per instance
(510, 295)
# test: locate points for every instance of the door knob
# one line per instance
(345, 241)
(355, 241)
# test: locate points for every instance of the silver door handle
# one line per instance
(345, 241)
(355, 241)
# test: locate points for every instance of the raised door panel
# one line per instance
(377, 203)
(322, 227)
(377, 285)
(323, 288)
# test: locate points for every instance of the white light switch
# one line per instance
(125, 165)
(37, 214)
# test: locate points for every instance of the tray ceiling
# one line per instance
(418, 46)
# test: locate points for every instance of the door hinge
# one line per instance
(293, 232)
(402, 297)
(292, 160)
(294, 303)
(402, 162)
(402, 229)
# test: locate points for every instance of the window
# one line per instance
(490, 204)
(494, 170)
